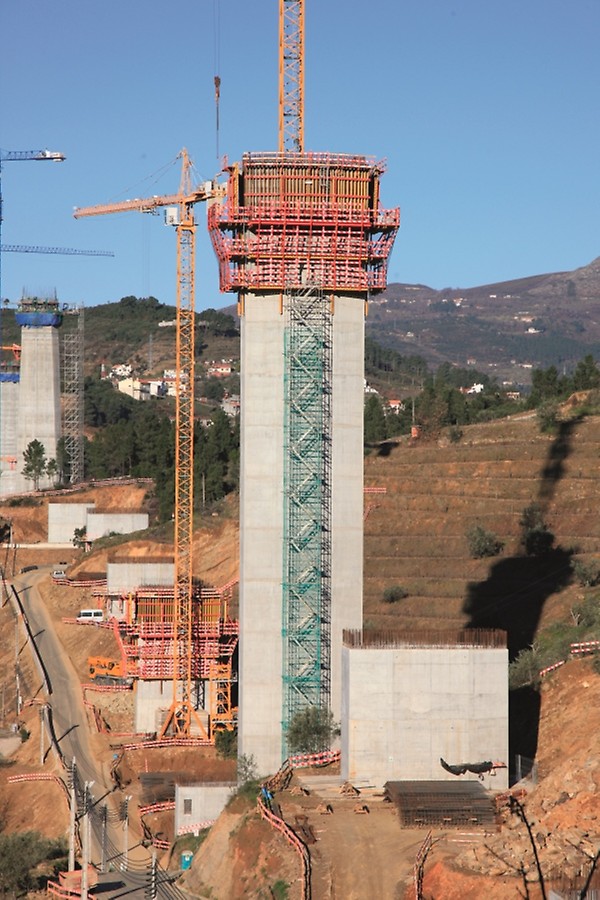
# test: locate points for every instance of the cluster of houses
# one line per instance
(166, 385)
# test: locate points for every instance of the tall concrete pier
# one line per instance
(30, 403)
(304, 242)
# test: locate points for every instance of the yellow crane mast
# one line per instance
(291, 76)
(181, 713)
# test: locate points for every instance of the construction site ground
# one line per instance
(431, 494)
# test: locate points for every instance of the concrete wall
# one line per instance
(101, 524)
(261, 532)
(39, 394)
(154, 699)
(347, 466)
(150, 698)
(122, 577)
(207, 802)
(404, 707)
(10, 473)
(261, 512)
(64, 518)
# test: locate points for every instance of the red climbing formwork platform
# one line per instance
(288, 218)
(147, 640)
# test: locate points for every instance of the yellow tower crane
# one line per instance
(291, 76)
(181, 714)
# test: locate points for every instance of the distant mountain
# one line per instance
(504, 329)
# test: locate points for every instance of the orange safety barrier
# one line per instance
(582, 647)
(196, 828)
(57, 890)
(305, 760)
(157, 807)
(35, 776)
(293, 839)
(169, 742)
(551, 668)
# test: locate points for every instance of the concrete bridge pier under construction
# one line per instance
(302, 238)
(30, 399)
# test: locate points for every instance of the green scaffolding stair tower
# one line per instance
(306, 623)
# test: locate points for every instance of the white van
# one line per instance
(90, 615)
(59, 574)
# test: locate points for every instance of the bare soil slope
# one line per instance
(415, 532)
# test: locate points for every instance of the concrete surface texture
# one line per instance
(31, 407)
(128, 576)
(64, 518)
(262, 512)
(10, 470)
(405, 707)
(101, 524)
(152, 700)
(197, 804)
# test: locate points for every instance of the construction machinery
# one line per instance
(180, 213)
(104, 670)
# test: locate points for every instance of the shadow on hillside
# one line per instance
(554, 467)
(513, 595)
(383, 448)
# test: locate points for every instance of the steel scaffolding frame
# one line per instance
(73, 397)
(306, 626)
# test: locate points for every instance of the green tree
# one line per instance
(394, 593)
(213, 389)
(226, 744)
(586, 376)
(375, 425)
(311, 730)
(483, 543)
(63, 461)
(547, 416)
(80, 537)
(536, 537)
(35, 462)
(19, 855)
(546, 385)
(52, 470)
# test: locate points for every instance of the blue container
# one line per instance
(186, 859)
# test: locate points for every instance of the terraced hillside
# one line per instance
(415, 532)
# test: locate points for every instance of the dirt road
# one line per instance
(356, 855)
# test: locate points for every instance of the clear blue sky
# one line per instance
(486, 111)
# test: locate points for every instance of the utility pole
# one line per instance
(124, 815)
(85, 840)
(72, 815)
(42, 711)
(104, 827)
(17, 674)
(152, 887)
